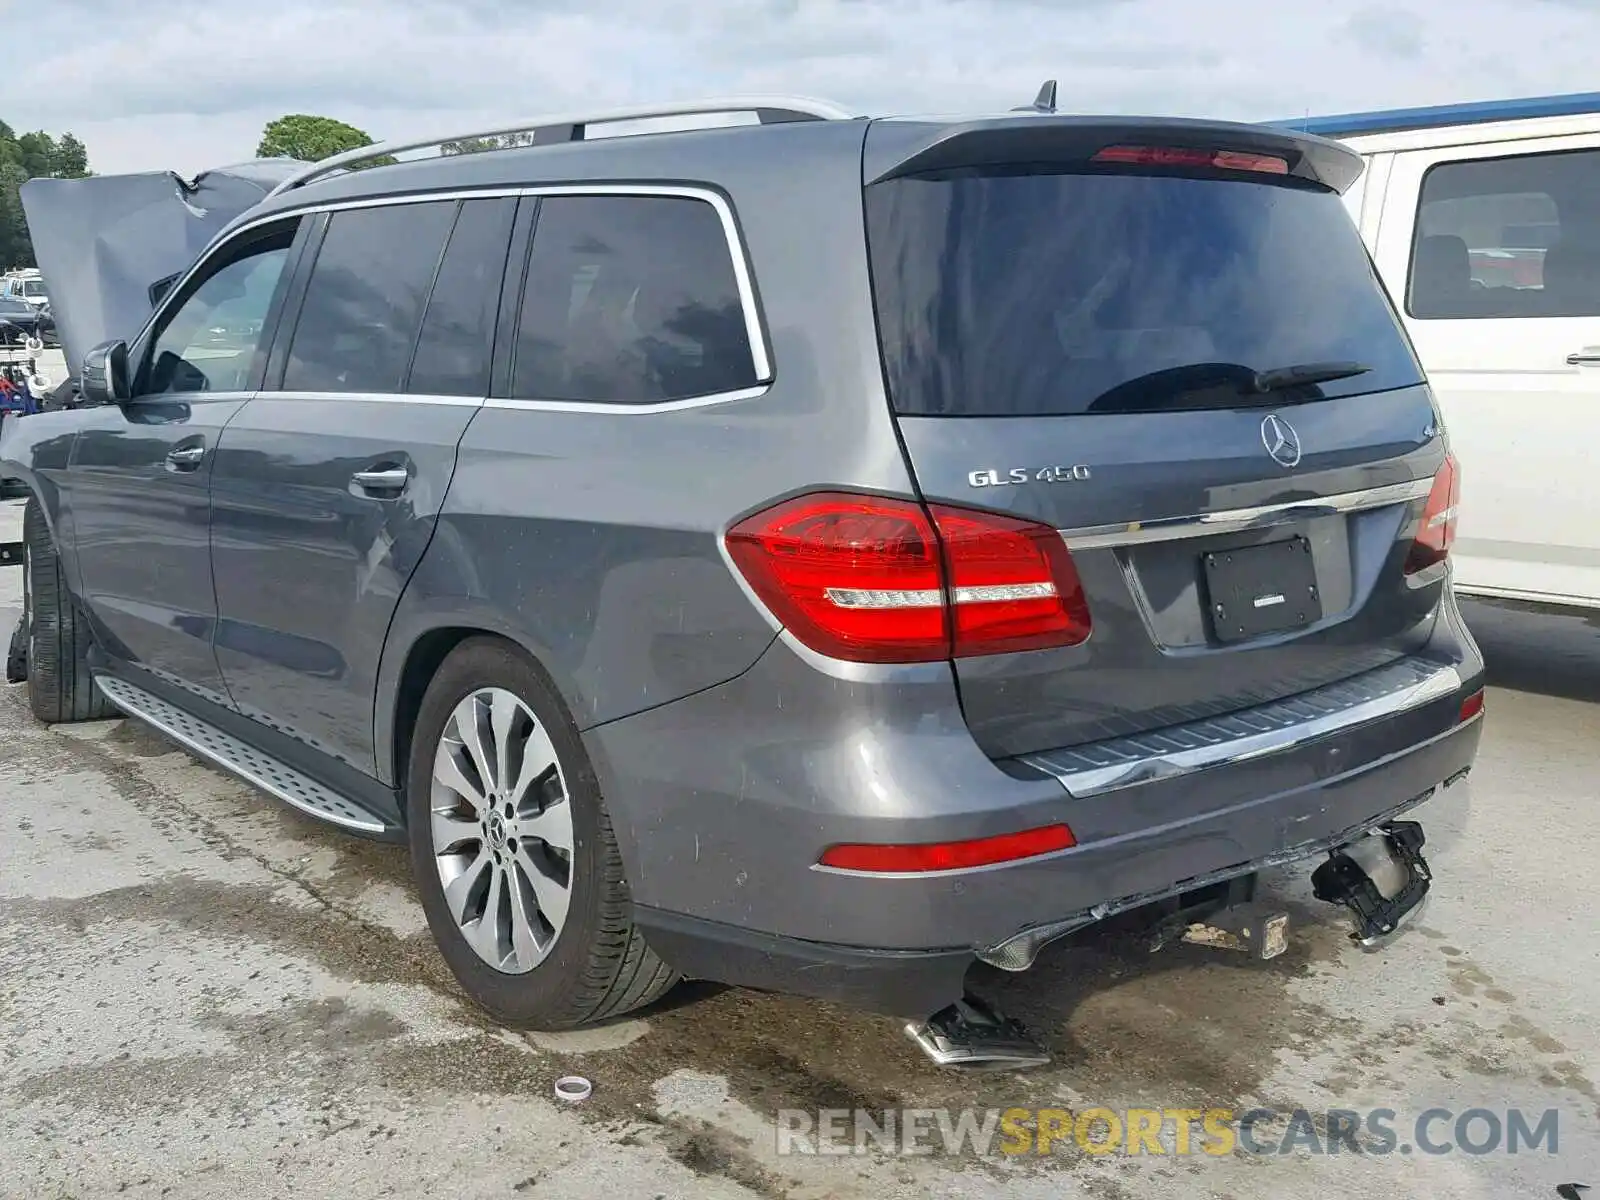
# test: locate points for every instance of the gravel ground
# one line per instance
(204, 994)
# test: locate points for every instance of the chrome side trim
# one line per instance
(1234, 520)
(275, 778)
(376, 398)
(1282, 725)
(620, 408)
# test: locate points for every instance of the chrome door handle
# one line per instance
(1589, 356)
(383, 479)
(186, 456)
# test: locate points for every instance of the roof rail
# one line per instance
(573, 127)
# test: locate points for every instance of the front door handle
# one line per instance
(382, 479)
(186, 458)
(1589, 356)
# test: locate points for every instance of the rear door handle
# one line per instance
(186, 458)
(1589, 356)
(382, 479)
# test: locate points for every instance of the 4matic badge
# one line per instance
(1014, 475)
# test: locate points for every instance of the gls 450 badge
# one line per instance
(1015, 475)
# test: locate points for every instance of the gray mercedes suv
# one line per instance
(815, 554)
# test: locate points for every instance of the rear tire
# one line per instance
(487, 842)
(60, 689)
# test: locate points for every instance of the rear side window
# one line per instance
(364, 300)
(630, 300)
(1508, 237)
(1022, 294)
(457, 339)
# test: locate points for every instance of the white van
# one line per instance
(1484, 222)
(26, 285)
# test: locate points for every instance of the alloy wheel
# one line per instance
(502, 830)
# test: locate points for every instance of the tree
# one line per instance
(16, 248)
(478, 145)
(23, 157)
(72, 158)
(309, 138)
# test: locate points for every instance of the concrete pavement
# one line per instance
(203, 994)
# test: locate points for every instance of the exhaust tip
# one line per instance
(970, 1035)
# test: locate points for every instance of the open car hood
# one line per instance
(107, 243)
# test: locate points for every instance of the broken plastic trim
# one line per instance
(1017, 953)
(1343, 879)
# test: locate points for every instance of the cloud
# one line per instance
(175, 84)
(1391, 32)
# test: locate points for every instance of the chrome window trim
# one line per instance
(1236, 520)
(619, 408)
(744, 278)
(375, 397)
(1266, 729)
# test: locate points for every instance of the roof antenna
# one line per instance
(1044, 102)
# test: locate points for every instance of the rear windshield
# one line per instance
(1059, 294)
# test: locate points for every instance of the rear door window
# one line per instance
(1508, 237)
(1032, 294)
(457, 339)
(364, 301)
(630, 300)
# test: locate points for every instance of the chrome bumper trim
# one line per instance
(1099, 767)
(1235, 520)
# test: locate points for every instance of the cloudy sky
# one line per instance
(188, 84)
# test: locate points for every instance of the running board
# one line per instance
(272, 776)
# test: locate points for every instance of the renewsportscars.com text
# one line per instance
(1217, 1132)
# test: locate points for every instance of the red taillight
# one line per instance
(1471, 706)
(869, 579)
(1438, 531)
(1012, 584)
(949, 856)
(1179, 156)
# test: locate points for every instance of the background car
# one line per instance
(20, 320)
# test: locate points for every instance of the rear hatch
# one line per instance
(1165, 340)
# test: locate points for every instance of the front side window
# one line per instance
(630, 300)
(1508, 237)
(364, 301)
(212, 341)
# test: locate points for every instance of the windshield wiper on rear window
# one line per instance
(1302, 374)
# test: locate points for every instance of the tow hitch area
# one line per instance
(1224, 917)
(1381, 879)
(10, 554)
(972, 1036)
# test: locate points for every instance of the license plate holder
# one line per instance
(1259, 590)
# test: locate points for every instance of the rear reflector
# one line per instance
(1438, 531)
(1179, 156)
(869, 579)
(948, 856)
(1471, 706)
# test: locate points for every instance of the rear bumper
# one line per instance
(721, 846)
(918, 983)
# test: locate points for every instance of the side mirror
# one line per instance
(105, 374)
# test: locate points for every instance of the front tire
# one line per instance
(60, 689)
(513, 851)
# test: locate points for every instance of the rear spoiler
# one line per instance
(897, 148)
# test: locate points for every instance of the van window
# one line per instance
(457, 340)
(630, 300)
(1508, 237)
(364, 300)
(1009, 293)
